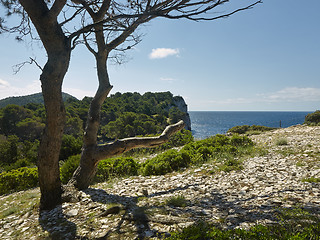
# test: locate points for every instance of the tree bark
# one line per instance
(48, 155)
(91, 157)
(58, 50)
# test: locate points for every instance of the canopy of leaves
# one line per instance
(122, 115)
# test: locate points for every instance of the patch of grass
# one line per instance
(296, 223)
(19, 204)
(249, 130)
(311, 180)
(281, 141)
(177, 201)
(230, 165)
(9, 211)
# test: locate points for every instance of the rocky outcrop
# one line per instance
(183, 107)
(137, 207)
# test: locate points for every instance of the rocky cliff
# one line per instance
(183, 107)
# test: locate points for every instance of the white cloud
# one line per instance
(293, 94)
(163, 53)
(287, 98)
(7, 90)
(167, 79)
(4, 83)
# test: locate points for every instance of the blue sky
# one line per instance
(266, 58)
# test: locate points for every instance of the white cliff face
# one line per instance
(181, 104)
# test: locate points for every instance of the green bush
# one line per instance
(176, 201)
(219, 148)
(18, 179)
(281, 141)
(246, 129)
(121, 166)
(169, 161)
(68, 167)
(313, 118)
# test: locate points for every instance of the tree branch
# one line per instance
(123, 145)
(16, 68)
(57, 8)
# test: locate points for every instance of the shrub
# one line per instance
(239, 129)
(68, 167)
(121, 166)
(169, 161)
(249, 130)
(311, 180)
(237, 140)
(18, 179)
(281, 141)
(313, 118)
(177, 201)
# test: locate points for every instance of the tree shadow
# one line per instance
(132, 212)
(231, 211)
(143, 216)
(57, 225)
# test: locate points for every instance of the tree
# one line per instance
(112, 24)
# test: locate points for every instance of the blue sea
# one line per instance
(205, 124)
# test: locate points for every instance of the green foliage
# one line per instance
(15, 154)
(222, 149)
(313, 119)
(177, 201)
(9, 150)
(18, 179)
(281, 141)
(121, 166)
(130, 124)
(311, 180)
(249, 130)
(70, 146)
(282, 231)
(34, 99)
(68, 167)
(171, 160)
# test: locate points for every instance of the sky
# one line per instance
(263, 59)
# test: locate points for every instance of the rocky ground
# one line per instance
(139, 206)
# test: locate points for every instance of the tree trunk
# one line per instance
(48, 155)
(85, 173)
(58, 50)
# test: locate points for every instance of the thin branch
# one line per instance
(124, 145)
(88, 46)
(16, 68)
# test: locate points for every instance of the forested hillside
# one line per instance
(23, 100)
(122, 115)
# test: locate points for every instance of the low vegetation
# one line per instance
(249, 130)
(177, 201)
(222, 151)
(281, 141)
(313, 119)
(294, 223)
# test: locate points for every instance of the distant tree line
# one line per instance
(122, 115)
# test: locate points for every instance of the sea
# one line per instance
(208, 123)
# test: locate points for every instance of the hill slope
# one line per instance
(33, 98)
(267, 185)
